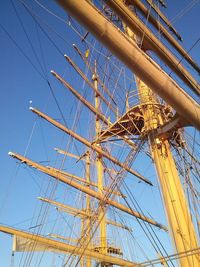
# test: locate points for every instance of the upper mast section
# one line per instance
(135, 59)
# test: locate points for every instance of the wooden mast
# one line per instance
(179, 218)
(100, 172)
(86, 222)
(181, 227)
(182, 231)
(135, 59)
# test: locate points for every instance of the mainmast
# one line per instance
(179, 218)
(135, 59)
(181, 227)
(151, 121)
(182, 230)
(150, 78)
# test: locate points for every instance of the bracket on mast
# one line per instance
(131, 123)
(171, 126)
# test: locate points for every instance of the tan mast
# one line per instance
(100, 172)
(184, 236)
(135, 59)
(179, 218)
(174, 199)
(86, 222)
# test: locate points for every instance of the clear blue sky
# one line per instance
(22, 86)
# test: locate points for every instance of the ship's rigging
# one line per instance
(125, 126)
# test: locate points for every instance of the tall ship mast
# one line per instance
(118, 184)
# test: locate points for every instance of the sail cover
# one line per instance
(21, 244)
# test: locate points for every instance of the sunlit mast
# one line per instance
(154, 122)
(181, 227)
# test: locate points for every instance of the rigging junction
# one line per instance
(154, 122)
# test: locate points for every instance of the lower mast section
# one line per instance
(102, 247)
(179, 218)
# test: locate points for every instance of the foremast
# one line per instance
(100, 172)
(86, 220)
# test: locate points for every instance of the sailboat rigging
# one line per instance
(123, 188)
